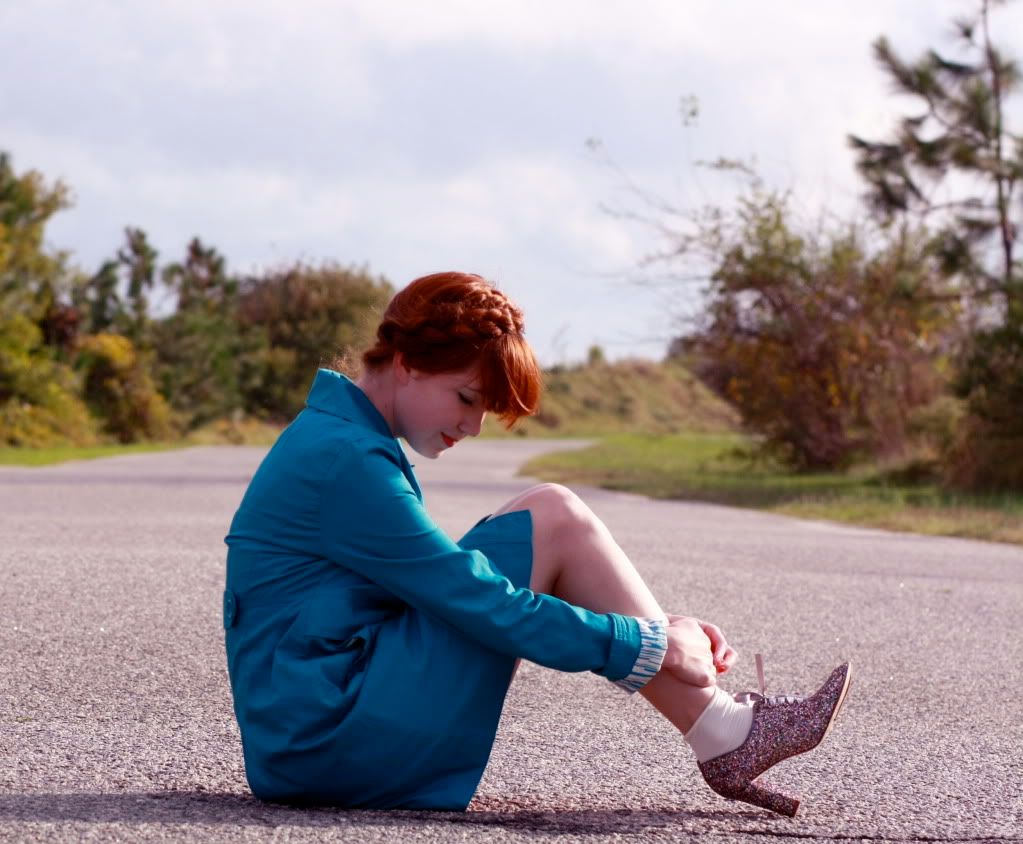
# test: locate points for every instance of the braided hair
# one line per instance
(448, 322)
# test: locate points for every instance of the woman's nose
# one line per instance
(472, 423)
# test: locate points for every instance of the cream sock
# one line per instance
(722, 726)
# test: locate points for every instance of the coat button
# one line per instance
(230, 609)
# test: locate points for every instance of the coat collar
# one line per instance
(338, 395)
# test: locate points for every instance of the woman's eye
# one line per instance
(465, 399)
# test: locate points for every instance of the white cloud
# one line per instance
(420, 136)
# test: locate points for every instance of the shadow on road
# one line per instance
(207, 808)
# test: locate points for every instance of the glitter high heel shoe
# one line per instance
(783, 726)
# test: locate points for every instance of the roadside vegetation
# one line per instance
(587, 400)
(640, 396)
(63, 454)
(221, 432)
(728, 469)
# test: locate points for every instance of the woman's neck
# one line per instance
(378, 385)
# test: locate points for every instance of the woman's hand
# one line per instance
(724, 655)
(689, 655)
(697, 651)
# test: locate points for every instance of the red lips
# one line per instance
(447, 440)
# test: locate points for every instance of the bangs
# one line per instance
(510, 379)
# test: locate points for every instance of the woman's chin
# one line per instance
(430, 452)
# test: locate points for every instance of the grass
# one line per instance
(718, 469)
(63, 454)
(627, 396)
(220, 432)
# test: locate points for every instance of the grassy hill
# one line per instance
(638, 396)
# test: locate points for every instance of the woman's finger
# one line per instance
(717, 639)
(727, 661)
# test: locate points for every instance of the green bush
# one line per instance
(296, 319)
(987, 454)
(119, 390)
(39, 405)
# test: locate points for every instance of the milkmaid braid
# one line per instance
(451, 321)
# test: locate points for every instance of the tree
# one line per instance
(116, 298)
(297, 318)
(198, 347)
(38, 393)
(823, 343)
(959, 131)
(956, 164)
(31, 276)
(139, 261)
(98, 299)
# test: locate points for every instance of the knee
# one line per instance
(559, 509)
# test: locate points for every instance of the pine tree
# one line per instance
(956, 164)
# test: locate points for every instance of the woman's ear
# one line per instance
(402, 373)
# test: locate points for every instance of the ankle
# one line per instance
(723, 726)
(696, 704)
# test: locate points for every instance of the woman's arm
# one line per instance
(373, 523)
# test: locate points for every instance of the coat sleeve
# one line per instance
(373, 523)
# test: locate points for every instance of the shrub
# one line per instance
(296, 319)
(987, 454)
(38, 402)
(119, 390)
(823, 344)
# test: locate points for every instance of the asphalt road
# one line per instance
(116, 722)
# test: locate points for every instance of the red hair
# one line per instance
(447, 322)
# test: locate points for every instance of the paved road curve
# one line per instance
(115, 718)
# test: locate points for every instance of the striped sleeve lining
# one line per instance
(653, 644)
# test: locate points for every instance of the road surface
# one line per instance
(116, 722)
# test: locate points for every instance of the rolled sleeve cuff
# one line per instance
(653, 640)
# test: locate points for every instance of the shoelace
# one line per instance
(770, 700)
(774, 700)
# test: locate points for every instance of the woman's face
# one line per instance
(433, 412)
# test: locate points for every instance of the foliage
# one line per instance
(298, 318)
(958, 130)
(31, 276)
(236, 430)
(119, 390)
(823, 345)
(988, 452)
(595, 356)
(39, 405)
(84, 355)
(198, 346)
(38, 393)
(956, 164)
(116, 297)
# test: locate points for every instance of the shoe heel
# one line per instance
(765, 798)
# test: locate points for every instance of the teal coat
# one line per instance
(369, 653)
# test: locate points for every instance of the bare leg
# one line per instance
(576, 559)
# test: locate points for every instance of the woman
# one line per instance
(370, 654)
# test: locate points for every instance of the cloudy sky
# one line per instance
(412, 137)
